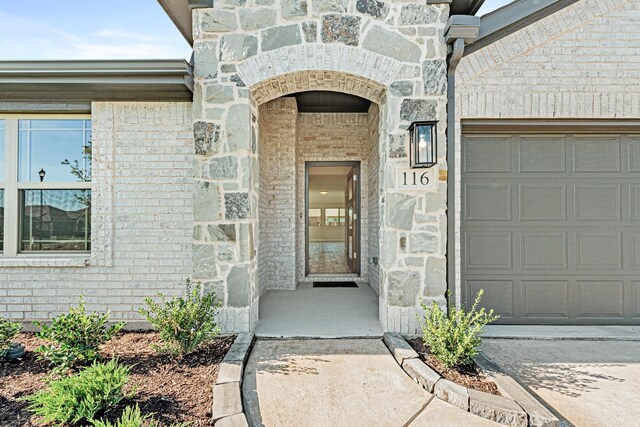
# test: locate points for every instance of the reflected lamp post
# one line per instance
(41, 174)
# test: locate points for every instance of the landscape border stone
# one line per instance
(516, 407)
(227, 410)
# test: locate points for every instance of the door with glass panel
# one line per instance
(332, 222)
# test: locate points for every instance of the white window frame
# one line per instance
(12, 186)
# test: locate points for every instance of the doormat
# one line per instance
(335, 285)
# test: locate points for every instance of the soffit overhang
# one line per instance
(86, 81)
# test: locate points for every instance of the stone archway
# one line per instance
(238, 68)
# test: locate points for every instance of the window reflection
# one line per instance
(61, 147)
(55, 220)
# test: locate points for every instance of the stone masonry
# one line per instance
(248, 53)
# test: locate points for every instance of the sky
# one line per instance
(97, 29)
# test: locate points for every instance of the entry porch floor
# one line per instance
(319, 312)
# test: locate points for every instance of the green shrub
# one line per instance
(76, 337)
(131, 417)
(76, 398)
(454, 338)
(184, 323)
(8, 331)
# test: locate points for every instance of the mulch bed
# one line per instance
(467, 376)
(176, 390)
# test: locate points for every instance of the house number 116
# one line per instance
(413, 178)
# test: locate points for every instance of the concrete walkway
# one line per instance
(319, 313)
(346, 382)
(589, 383)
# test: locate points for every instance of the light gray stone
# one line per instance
(417, 14)
(237, 420)
(238, 286)
(337, 28)
(310, 31)
(414, 261)
(204, 263)
(421, 373)
(229, 372)
(265, 2)
(237, 80)
(222, 232)
(399, 210)
(423, 243)
(434, 75)
(402, 88)
(293, 8)
(218, 94)
(375, 8)
(218, 21)
(497, 408)
(237, 47)
(207, 202)
(221, 168)
(389, 248)
(327, 6)
(225, 253)
(245, 239)
(226, 400)
(206, 136)
(413, 110)
(436, 277)
(257, 19)
(214, 113)
(403, 288)
(435, 201)
(391, 44)
(277, 37)
(239, 350)
(228, 68)
(205, 58)
(399, 348)
(236, 205)
(453, 393)
(215, 287)
(397, 146)
(238, 128)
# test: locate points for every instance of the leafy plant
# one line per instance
(76, 398)
(454, 337)
(8, 331)
(132, 417)
(184, 323)
(75, 336)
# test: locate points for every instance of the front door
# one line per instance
(332, 218)
(351, 221)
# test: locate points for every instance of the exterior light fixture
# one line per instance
(41, 174)
(422, 144)
(324, 193)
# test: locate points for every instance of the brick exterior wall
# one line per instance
(141, 236)
(373, 195)
(578, 63)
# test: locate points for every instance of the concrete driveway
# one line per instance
(589, 383)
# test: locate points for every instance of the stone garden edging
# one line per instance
(516, 407)
(227, 392)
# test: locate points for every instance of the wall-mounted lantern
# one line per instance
(422, 144)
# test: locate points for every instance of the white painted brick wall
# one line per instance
(141, 219)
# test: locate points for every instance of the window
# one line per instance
(315, 217)
(45, 185)
(334, 217)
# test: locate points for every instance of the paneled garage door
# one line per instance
(551, 225)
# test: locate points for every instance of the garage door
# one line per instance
(551, 225)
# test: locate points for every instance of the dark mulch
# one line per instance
(468, 376)
(176, 390)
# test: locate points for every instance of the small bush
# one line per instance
(76, 337)
(184, 323)
(8, 331)
(131, 417)
(76, 398)
(454, 338)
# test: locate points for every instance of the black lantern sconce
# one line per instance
(41, 174)
(422, 144)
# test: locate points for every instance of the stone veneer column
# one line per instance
(250, 52)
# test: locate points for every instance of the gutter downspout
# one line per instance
(459, 31)
(454, 60)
